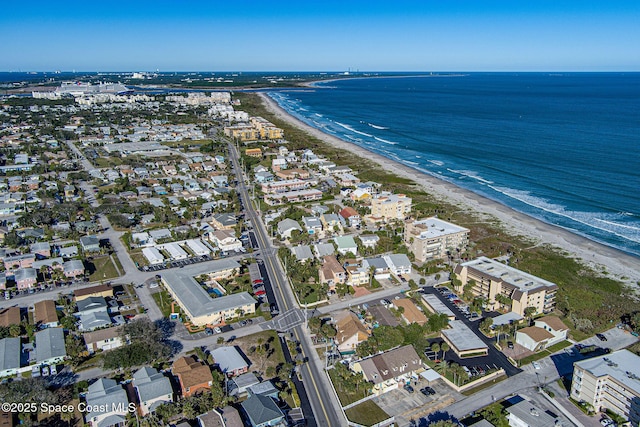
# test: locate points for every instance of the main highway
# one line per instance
(323, 400)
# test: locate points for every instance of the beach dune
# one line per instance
(618, 264)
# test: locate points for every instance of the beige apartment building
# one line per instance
(266, 129)
(431, 238)
(391, 206)
(611, 381)
(492, 278)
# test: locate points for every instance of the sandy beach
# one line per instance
(618, 264)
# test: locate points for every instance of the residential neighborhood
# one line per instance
(175, 260)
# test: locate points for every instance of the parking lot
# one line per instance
(175, 264)
(406, 406)
(495, 358)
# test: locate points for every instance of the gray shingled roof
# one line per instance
(261, 409)
(9, 353)
(151, 384)
(50, 344)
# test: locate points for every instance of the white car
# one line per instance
(535, 364)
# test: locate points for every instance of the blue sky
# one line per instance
(244, 35)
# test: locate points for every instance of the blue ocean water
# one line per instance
(563, 148)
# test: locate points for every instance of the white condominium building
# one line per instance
(609, 382)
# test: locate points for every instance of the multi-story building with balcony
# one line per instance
(391, 206)
(503, 285)
(611, 381)
(432, 238)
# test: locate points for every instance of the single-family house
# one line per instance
(224, 221)
(262, 411)
(73, 268)
(332, 273)
(409, 311)
(194, 376)
(331, 222)
(90, 244)
(398, 263)
(109, 404)
(45, 315)
(379, 266)
(9, 357)
(324, 249)
(302, 253)
(103, 340)
(349, 333)
(369, 240)
(351, 215)
(225, 240)
(346, 244)
(153, 389)
(10, 316)
(287, 226)
(230, 360)
(50, 346)
(312, 224)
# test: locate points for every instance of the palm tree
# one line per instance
(442, 367)
(444, 347)
(435, 347)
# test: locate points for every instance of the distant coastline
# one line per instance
(623, 266)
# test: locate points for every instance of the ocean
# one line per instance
(560, 147)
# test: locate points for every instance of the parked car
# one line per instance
(428, 391)
(510, 344)
(535, 364)
(217, 330)
(408, 388)
(601, 337)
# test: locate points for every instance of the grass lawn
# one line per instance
(481, 387)
(544, 353)
(163, 301)
(367, 413)
(103, 269)
(138, 258)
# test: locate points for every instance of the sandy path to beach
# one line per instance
(622, 266)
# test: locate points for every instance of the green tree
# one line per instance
(485, 325)
(435, 347)
(444, 347)
(495, 414)
(15, 330)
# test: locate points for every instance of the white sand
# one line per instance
(600, 257)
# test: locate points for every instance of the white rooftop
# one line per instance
(434, 227)
(437, 305)
(622, 365)
(463, 338)
(523, 281)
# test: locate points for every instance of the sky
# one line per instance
(328, 35)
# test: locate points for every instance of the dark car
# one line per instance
(510, 344)
(601, 337)
(428, 391)
(408, 388)
(208, 331)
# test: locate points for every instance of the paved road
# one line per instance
(326, 408)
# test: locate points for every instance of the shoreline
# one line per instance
(620, 265)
